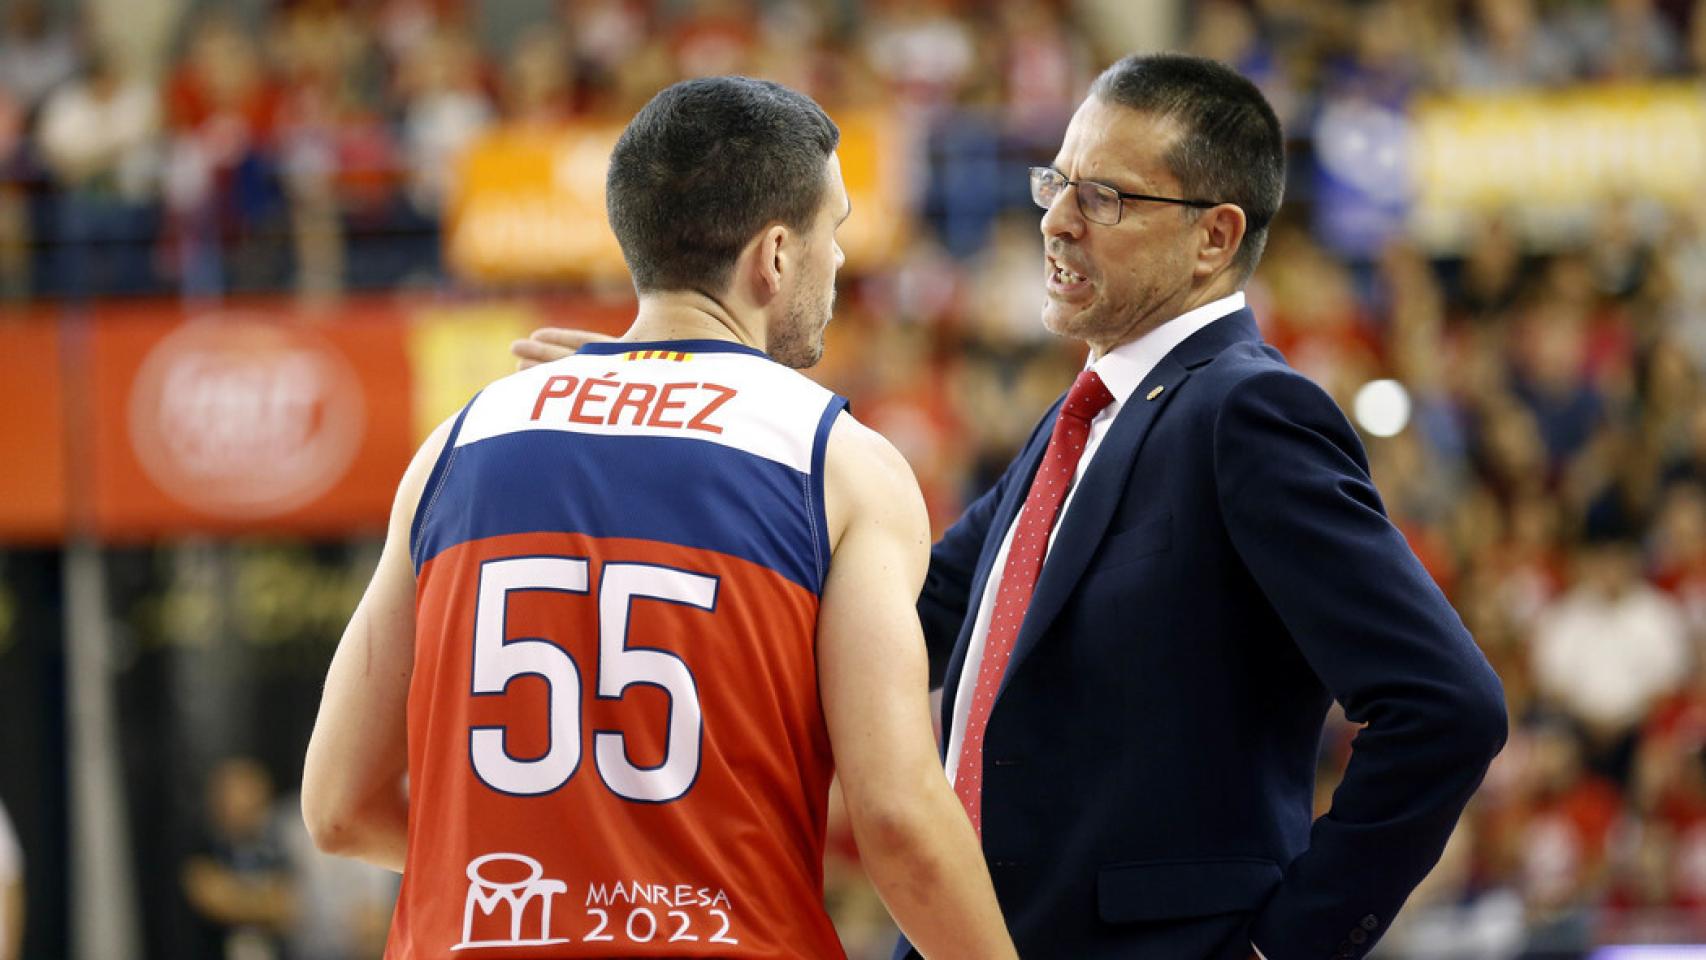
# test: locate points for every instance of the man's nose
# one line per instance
(1063, 218)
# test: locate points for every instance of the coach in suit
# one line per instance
(1141, 626)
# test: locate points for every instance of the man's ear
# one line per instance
(771, 260)
(1221, 229)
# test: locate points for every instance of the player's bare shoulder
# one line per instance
(415, 477)
(867, 479)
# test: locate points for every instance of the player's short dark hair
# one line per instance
(706, 165)
(1231, 148)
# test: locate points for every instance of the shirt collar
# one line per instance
(614, 347)
(1123, 368)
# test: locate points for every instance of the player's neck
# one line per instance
(690, 316)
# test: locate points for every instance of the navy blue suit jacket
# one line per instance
(1224, 571)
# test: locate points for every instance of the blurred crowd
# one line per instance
(307, 144)
(1552, 475)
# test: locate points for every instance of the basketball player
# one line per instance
(636, 606)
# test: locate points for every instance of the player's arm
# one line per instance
(353, 798)
(913, 834)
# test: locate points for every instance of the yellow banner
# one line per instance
(454, 351)
(1555, 152)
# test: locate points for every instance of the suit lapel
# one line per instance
(1105, 481)
(1086, 517)
(1092, 506)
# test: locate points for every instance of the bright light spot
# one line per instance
(1382, 407)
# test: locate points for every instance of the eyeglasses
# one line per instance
(1098, 202)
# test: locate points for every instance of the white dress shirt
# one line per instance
(1122, 369)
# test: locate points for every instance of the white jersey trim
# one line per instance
(748, 403)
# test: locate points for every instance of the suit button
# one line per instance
(1370, 923)
(1357, 936)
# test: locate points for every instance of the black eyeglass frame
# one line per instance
(1038, 172)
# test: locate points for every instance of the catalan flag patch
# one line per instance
(675, 355)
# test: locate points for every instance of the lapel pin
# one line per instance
(1155, 393)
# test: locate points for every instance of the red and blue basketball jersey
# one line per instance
(616, 745)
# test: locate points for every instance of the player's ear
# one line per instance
(770, 262)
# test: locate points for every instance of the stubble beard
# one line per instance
(798, 342)
(1101, 323)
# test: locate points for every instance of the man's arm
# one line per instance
(551, 343)
(353, 798)
(221, 895)
(913, 834)
(1306, 520)
(945, 603)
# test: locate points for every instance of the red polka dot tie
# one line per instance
(1088, 397)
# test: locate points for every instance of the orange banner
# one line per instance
(527, 204)
(33, 458)
(246, 420)
(149, 420)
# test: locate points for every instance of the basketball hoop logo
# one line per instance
(486, 893)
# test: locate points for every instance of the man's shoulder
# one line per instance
(1248, 366)
(1248, 388)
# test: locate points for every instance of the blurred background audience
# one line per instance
(1550, 340)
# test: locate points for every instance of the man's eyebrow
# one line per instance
(1096, 180)
(849, 212)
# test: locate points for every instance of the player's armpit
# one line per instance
(353, 799)
(913, 834)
